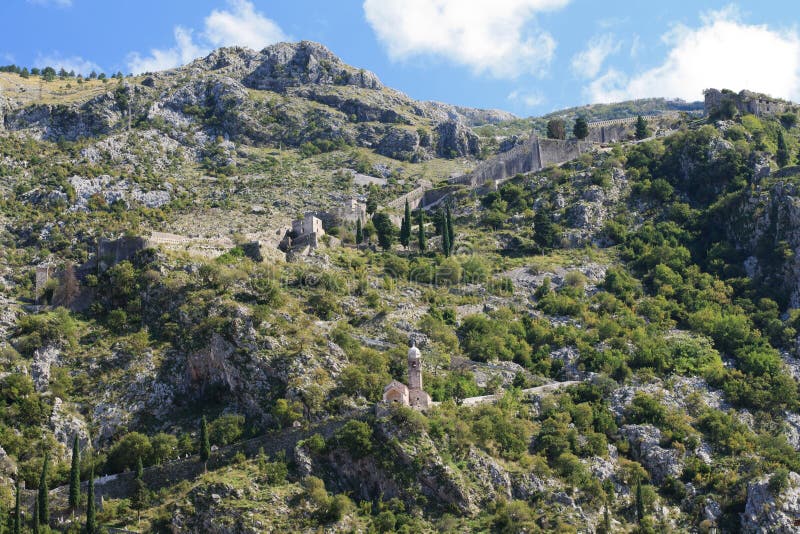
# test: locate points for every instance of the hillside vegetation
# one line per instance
(652, 284)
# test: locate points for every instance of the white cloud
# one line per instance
(70, 63)
(723, 53)
(240, 25)
(184, 51)
(529, 99)
(57, 3)
(588, 62)
(498, 37)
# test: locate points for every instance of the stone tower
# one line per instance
(414, 368)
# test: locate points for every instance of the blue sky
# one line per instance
(525, 56)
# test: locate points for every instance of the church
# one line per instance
(411, 395)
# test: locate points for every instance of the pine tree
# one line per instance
(359, 232)
(450, 232)
(641, 128)
(91, 523)
(421, 230)
(782, 155)
(44, 504)
(17, 512)
(75, 476)
(581, 128)
(639, 501)
(205, 444)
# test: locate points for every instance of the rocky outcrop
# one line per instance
(767, 512)
(645, 446)
(284, 65)
(399, 143)
(43, 359)
(66, 425)
(455, 139)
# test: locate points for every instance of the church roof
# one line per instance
(394, 384)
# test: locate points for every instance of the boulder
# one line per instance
(43, 359)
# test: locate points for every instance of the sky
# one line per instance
(528, 57)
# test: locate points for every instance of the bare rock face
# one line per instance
(766, 512)
(66, 426)
(43, 359)
(284, 65)
(455, 139)
(399, 143)
(645, 446)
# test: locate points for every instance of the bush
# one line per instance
(226, 429)
(356, 437)
(128, 451)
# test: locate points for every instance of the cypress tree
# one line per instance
(75, 476)
(205, 444)
(639, 501)
(450, 232)
(359, 232)
(17, 512)
(91, 525)
(782, 155)
(36, 515)
(139, 498)
(641, 128)
(139, 468)
(606, 520)
(421, 232)
(44, 505)
(445, 241)
(405, 228)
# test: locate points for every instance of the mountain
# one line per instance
(606, 341)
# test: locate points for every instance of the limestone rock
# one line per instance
(454, 139)
(43, 359)
(399, 143)
(645, 447)
(66, 426)
(765, 512)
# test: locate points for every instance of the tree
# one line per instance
(205, 444)
(445, 241)
(372, 200)
(581, 128)
(36, 515)
(140, 496)
(24, 73)
(421, 230)
(44, 504)
(17, 529)
(782, 155)
(385, 229)
(556, 129)
(451, 234)
(75, 476)
(48, 74)
(359, 232)
(91, 521)
(639, 500)
(642, 131)
(164, 447)
(405, 227)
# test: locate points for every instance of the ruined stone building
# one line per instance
(744, 102)
(305, 232)
(353, 210)
(411, 395)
